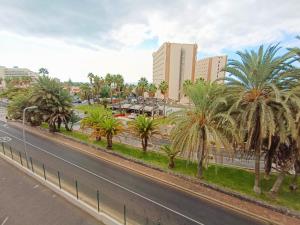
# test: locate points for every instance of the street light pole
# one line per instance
(24, 139)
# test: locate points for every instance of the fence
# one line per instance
(104, 195)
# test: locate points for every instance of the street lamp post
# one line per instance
(24, 139)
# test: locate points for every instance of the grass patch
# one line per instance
(88, 108)
(232, 178)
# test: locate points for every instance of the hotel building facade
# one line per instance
(210, 69)
(15, 72)
(174, 63)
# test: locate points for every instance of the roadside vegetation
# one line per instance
(230, 178)
(255, 113)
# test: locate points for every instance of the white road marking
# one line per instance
(4, 221)
(36, 186)
(107, 180)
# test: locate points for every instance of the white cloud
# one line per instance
(70, 61)
(107, 36)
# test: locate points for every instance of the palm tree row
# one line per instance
(256, 112)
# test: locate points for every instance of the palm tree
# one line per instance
(255, 85)
(91, 77)
(119, 81)
(128, 89)
(110, 126)
(98, 83)
(52, 100)
(163, 87)
(186, 85)
(86, 92)
(171, 153)
(142, 86)
(43, 71)
(152, 90)
(109, 81)
(204, 122)
(144, 127)
(93, 121)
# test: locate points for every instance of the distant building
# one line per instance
(15, 72)
(210, 68)
(174, 63)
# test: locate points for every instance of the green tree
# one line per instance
(255, 84)
(86, 92)
(144, 127)
(205, 122)
(109, 80)
(171, 153)
(119, 81)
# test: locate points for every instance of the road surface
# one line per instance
(164, 205)
(24, 201)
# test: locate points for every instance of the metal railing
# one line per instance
(104, 195)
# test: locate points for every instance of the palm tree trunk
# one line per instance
(278, 183)
(110, 94)
(256, 187)
(269, 156)
(109, 141)
(67, 126)
(144, 144)
(164, 106)
(256, 143)
(293, 185)
(58, 124)
(171, 162)
(201, 154)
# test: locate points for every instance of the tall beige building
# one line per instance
(210, 68)
(174, 63)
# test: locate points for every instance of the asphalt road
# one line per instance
(24, 201)
(164, 205)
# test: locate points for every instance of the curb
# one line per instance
(282, 210)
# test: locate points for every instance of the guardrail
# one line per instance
(100, 193)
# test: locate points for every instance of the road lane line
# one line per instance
(107, 180)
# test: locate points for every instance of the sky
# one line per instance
(74, 37)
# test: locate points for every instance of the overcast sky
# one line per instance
(74, 37)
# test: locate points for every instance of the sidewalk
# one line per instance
(196, 189)
(24, 201)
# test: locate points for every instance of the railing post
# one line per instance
(76, 184)
(58, 175)
(124, 214)
(21, 158)
(12, 157)
(98, 200)
(3, 148)
(31, 165)
(44, 171)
